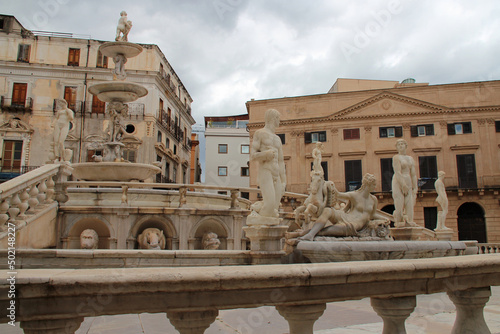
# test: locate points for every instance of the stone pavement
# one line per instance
(433, 314)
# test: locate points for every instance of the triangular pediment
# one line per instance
(14, 124)
(387, 104)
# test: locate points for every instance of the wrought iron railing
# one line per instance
(7, 104)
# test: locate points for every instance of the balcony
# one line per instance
(16, 105)
(136, 110)
(173, 89)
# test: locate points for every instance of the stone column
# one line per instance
(394, 312)
(470, 304)
(195, 322)
(301, 318)
(66, 326)
(183, 229)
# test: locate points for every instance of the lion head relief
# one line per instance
(151, 238)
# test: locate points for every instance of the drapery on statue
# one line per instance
(404, 185)
(268, 152)
(123, 28)
(64, 116)
(442, 200)
(359, 214)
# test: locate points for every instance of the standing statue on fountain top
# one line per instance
(268, 151)
(64, 116)
(317, 157)
(124, 26)
(404, 186)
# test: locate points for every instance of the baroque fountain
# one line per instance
(111, 166)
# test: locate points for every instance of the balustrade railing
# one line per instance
(488, 248)
(7, 104)
(59, 299)
(23, 196)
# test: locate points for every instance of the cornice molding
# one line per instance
(348, 154)
(430, 149)
(464, 147)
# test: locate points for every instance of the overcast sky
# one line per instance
(229, 51)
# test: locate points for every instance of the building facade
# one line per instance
(453, 128)
(37, 69)
(227, 151)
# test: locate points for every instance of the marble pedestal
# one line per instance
(266, 243)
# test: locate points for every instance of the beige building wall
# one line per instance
(158, 126)
(352, 123)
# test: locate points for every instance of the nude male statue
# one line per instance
(442, 200)
(268, 151)
(404, 185)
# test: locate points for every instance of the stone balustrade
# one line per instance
(488, 248)
(52, 300)
(22, 198)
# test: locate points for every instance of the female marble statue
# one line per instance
(64, 116)
(356, 215)
(404, 185)
(442, 200)
(317, 157)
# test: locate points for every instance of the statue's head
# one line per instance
(123, 13)
(272, 116)
(61, 104)
(401, 144)
(89, 239)
(441, 174)
(369, 181)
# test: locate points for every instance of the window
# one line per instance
(313, 137)
(497, 126)
(98, 106)
(70, 97)
(159, 137)
(353, 175)
(351, 134)
(430, 217)
(387, 172)
(245, 194)
(282, 137)
(175, 149)
(245, 149)
(422, 130)
(245, 171)
(428, 172)
(74, 57)
(223, 148)
(130, 128)
(222, 192)
(19, 92)
(466, 168)
(129, 155)
(23, 53)
(222, 171)
(12, 156)
(459, 128)
(167, 142)
(2, 23)
(390, 132)
(102, 61)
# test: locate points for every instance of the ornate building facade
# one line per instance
(453, 128)
(37, 69)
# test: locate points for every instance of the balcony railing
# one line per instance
(134, 109)
(169, 125)
(7, 104)
(168, 81)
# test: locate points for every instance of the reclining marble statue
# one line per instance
(359, 217)
(267, 150)
(404, 186)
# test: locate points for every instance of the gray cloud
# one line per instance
(229, 51)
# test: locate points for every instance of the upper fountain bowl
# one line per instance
(112, 49)
(118, 91)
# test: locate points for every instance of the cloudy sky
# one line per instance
(229, 51)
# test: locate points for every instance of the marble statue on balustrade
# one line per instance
(358, 218)
(442, 200)
(123, 28)
(404, 186)
(316, 201)
(63, 118)
(151, 238)
(267, 150)
(89, 239)
(210, 241)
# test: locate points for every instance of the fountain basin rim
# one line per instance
(118, 91)
(112, 49)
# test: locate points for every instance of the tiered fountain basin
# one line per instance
(112, 49)
(114, 171)
(118, 91)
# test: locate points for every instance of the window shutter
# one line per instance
(429, 130)
(467, 126)
(322, 136)
(414, 131)
(307, 137)
(382, 132)
(451, 129)
(497, 126)
(398, 131)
